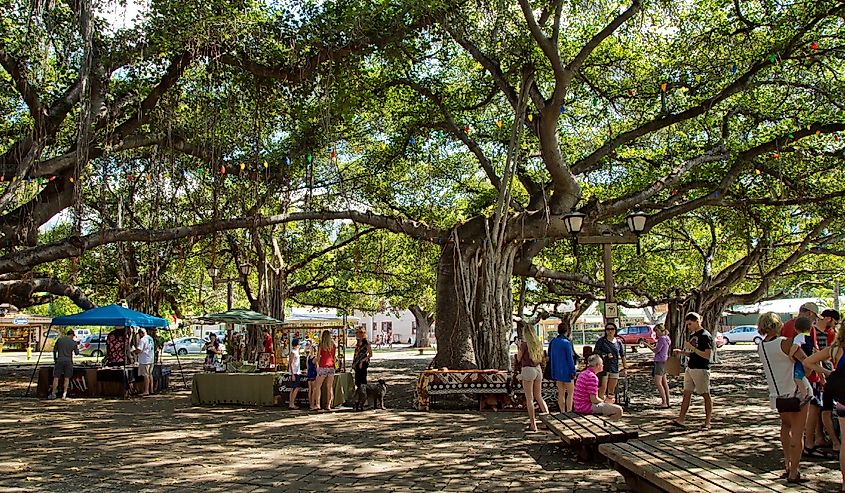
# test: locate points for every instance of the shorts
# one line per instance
(697, 380)
(817, 394)
(530, 373)
(659, 369)
(798, 371)
(295, 381)
(605, 409)
(325, 372)
(145, 369)
(63, 368)
(608, 375)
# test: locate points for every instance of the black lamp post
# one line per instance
(573, 222)
(636, 223)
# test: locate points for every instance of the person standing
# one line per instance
(295, 377)
(325, 370)
(612, 351)
(312, 361)
(63, 351)
(361, 359)
(661, 354)
(777, 354)
(809, 311)
(698, 348)
(825, 332)
(529, 355)
(212, 349)
(562, 360)
(144, 350)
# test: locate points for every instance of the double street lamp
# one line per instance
(214, 272)
(574, 223)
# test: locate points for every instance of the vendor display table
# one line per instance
(344, 388)
(444, 382)
(233, 388)
(83, 383)
(115, 381)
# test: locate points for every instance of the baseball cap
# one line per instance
(810, 307)
(830, 313)
(692, 316)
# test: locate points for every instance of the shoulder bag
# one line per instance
(783, 404)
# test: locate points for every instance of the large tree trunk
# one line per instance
(424, 319)
(474, 304)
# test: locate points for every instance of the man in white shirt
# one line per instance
(145, 361)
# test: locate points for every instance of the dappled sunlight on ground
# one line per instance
(165, 444)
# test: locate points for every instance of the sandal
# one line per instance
(812, 453)
(798, 479)
(677, 424)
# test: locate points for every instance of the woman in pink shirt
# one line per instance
(586, 398)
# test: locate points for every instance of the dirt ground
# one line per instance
(165, 444)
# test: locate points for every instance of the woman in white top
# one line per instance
(777, 355)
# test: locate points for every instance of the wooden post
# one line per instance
(610, 295)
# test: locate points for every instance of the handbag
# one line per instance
(783, 404)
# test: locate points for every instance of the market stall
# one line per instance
(242, 386)
(106, 316)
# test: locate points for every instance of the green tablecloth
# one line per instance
(233, 388)
(344, 388)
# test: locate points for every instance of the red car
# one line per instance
(637, 335)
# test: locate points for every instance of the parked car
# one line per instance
(188, 345)
(743, 333)
(184, 345)
(637, 335)
(93, 345)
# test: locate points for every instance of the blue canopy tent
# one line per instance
(109, 316)
(112, 316)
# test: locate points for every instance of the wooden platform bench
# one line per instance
(664, 466)
(585, 432)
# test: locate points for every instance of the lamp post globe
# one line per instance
(573, 222)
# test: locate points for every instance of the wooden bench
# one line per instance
(584, 432)
(663, 466)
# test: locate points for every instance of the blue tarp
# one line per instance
(112, 315)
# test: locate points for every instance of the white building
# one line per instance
(398, 328)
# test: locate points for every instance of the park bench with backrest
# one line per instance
(662, 465)
(584, 432)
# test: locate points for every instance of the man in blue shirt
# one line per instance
(562, 361)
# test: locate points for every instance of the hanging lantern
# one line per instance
(287, 160)
(466, 129)
(562, 110)
(733, 68)
(222, 170)
(775, 154)
(530, 118)
(663, 87)
(630, 92)
(499, 123)
(413, 141)
(814, 46)
(333, 154)
(243, 165)
(310, 158)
